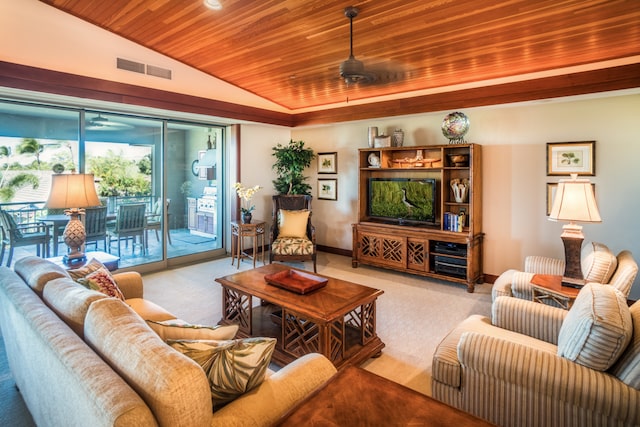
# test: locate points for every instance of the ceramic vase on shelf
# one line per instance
(373, 132)
(246, 218)
(398, 138)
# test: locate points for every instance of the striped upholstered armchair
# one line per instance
(536, 365)
(598, 264)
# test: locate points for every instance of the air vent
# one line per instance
(158, 72)
(125, 64)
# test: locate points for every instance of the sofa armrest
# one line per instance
(278, 394)
(547, 376)
(544, 265)
(130, 283)
(536, 320)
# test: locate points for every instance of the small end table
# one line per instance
(109, 261)
(547, 287)
(254, 230)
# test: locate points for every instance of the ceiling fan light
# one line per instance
(352, 71)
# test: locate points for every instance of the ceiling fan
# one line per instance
(353, 71)
(102, 123)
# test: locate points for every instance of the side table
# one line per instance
(548, 287)
(255, 230)
(109, 261)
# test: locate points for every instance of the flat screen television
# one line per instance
(402, 200)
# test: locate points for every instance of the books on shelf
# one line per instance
(454, 222)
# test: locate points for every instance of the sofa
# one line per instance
(598, 264)
(532, 364)
(80, 358)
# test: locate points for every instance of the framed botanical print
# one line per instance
(566, 158)
(328, 189)
(328, 162)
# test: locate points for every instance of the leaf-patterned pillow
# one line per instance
(233, 367)
(82, 272)
(102, 281)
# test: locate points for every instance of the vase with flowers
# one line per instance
(246, 194)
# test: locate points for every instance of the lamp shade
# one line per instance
(575, 202)
(72, 191)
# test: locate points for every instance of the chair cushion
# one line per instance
(232, 367)
(598, 262)
(292, 246)
(102, 281)
(627, 368)
(597, 328)
(176, 329)
(292, 223)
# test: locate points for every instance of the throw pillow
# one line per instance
(292, 223)
(597, 328)
(102, 281)
(86, 269)
(598, 263)
(232, 367)
(176, 329)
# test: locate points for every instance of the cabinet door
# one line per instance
(382, 249)
(418, 254)
(192, 221)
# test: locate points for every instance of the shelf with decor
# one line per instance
(420, 211)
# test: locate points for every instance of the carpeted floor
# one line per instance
(413, 315)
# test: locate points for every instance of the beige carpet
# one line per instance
(413, 314)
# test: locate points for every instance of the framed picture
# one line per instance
(328, 162)
(551, 194)
(565, 158)
(328, 189)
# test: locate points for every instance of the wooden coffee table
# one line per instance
(338, 320)
(355, 397)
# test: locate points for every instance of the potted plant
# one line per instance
(246, 194)
(291, 160)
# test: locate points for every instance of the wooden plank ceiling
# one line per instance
(289, 51)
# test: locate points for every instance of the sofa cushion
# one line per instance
(176, 329)
(102, 281)
(598, 263)
(597, 328)
(148, 310)
(292, 223)
(172, 385)
(37, 272)
(233, 367)
(627, 368)
(70, 301)
(85, 270)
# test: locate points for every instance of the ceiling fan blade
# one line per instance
(103, 123)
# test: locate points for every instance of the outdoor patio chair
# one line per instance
(95, 225)
(154, 220)
(15, 235)
(130, 224)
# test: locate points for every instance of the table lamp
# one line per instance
(73, 192)
(574, 202)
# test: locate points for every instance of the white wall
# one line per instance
(513, 140)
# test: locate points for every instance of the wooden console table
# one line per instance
(356, 397)
(254, 230)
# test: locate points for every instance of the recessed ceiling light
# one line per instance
(213, 4)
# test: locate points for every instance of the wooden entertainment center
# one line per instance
(426, 248)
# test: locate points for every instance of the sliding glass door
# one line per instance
(173, 168)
